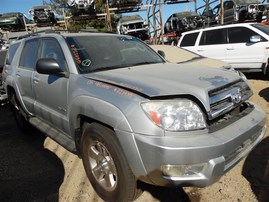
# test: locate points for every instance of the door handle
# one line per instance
(18, 74)
(36, 80)
(230, 48)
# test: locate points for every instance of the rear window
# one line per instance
(189, 39)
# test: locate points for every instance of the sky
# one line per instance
(24, 5)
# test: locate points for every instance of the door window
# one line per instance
(50, 48)
(29, 54)
(213, 37)
(240, 34)
(228, 5)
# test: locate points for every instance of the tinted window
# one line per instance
(189, 39)
(11, 52)
(240, 34)
(29, 53)
(2, 59)
(213, 37)
(228, 5)
(50, 48)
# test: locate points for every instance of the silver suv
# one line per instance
(130, 115)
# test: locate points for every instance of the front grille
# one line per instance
(226, 98)
(232, 116)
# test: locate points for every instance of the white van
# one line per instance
(245, 46)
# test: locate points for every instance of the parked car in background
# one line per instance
(43, 15)
(244, 46)
(3, 94)
(133, 25)
(81, 7)
(181, 55)
(13, 21)
(125, 5)
(128, 113)
(240, 11)
(184, 21)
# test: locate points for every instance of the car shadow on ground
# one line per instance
(257, 76)
(28, 171)
(265, 94)
(256, 170)
(165, 194)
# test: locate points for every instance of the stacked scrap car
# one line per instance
(133, 25)
(241, 11)
(184, 21)
(13, 21)
(81, 7)
(43, 15)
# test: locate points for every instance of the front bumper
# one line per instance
(196, 158)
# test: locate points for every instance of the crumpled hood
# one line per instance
(167, 79)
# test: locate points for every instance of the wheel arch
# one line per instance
(90, 110)
(87, 112)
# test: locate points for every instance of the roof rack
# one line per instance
(46, 31)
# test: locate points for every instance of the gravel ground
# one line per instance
(35, 168)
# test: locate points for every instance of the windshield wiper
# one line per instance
(145, 63)
(190, 60)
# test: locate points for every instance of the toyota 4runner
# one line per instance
(130, 115)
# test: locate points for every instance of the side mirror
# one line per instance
(255, 38)
(49, 66)
(161, 53)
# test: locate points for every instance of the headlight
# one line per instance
(175, 115)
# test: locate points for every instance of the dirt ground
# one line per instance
(35, 168)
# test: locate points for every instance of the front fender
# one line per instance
(98, 110)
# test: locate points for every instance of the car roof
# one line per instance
(64, 33)
(221, 26)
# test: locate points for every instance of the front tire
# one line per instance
(106, 165)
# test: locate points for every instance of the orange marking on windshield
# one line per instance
(75, 53)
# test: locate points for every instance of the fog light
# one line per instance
(183, 171)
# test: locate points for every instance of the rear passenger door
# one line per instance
(241, 53)
(212, 44)
(25, 72)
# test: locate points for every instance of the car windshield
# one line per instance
(104, 52)
(262, 27)
(7, 15)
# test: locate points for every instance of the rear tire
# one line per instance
(106, 165)
(21, 121)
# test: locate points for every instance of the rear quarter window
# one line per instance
(11, 52)
(189, 39)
